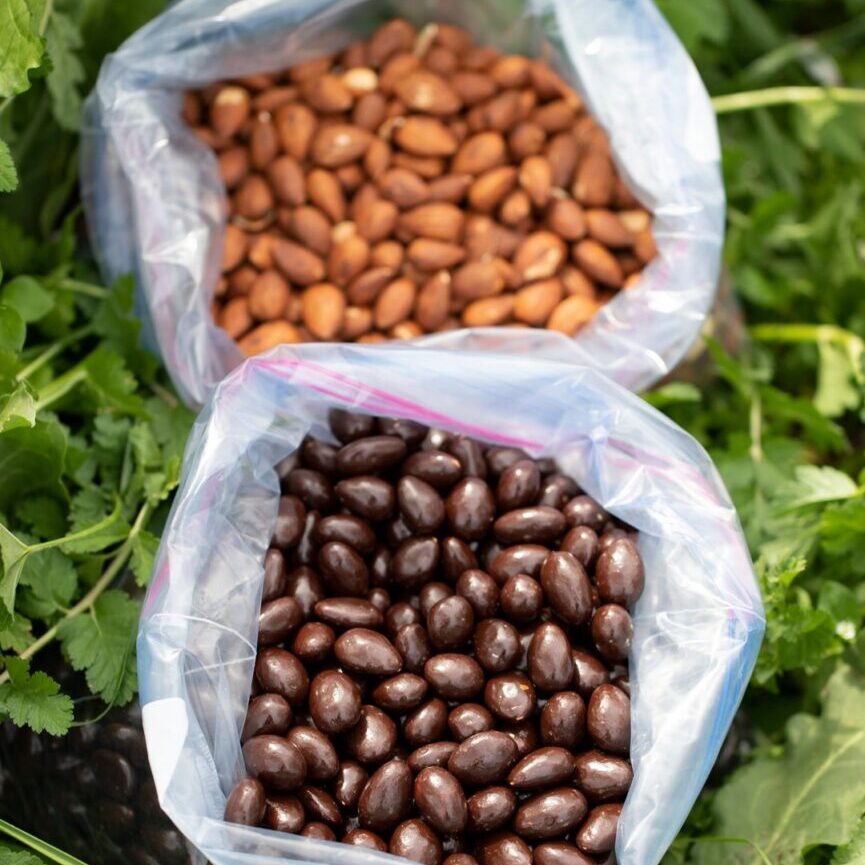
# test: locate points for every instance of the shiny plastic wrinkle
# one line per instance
(698, 624)
(154, 201)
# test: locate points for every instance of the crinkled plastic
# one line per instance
(698, 624)
(155, 204)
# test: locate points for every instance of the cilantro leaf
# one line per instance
(8, 856)
(22, 46)
(144, 549)
(51, 581)
(8, 173)
(102, 644)
(67, 74)
(34, 699)
(17, 408)
(28, 297)
(12, 329)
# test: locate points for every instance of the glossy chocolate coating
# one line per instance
(510, 696)
(369, 497)
(491, 808)
(365, 651)
(437, 468)
(550, 814)
(602, 776)
(483, 759)
(598, 834)
(563, 720)
(245, 803)
(542, 768)
(386, 798)
(414, 840)
(319, 754)
(275, 762)
(334, 702)
(608, 719)
(440, 799)
(267, 713)
(612, 632)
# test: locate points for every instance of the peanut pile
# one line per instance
(414, 182)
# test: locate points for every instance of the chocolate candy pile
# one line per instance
(443, 645)
(414, 182)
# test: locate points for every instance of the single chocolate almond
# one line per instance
(323, 310)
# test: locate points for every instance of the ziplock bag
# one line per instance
(155, 203)
(697, 626)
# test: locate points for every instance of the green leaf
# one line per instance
(836, 391)
(14, 631)
(51, 580)
(31, 462)
(811, 794)
(96, 534)
(8, 174)
(853, 852)
(112, 381)
(144, 549)
(21, 47)
(817, 484)
(67, 73)
(17, 408)
(34, 700)
(43, 516)
(8, 856)
(101, 644)
(43, 848)
(14, 554)
(12, 329)
(28, 297)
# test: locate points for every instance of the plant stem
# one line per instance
(816, 333)
(81, 287)
(60, 387)
(120, 558)
(43, 848)
(768, 96)
(52, 351)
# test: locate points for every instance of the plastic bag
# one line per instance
(698, 624)
(155, 204)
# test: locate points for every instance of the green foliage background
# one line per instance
(91, 434)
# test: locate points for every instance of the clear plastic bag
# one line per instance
(155, 204)
(698, 624)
